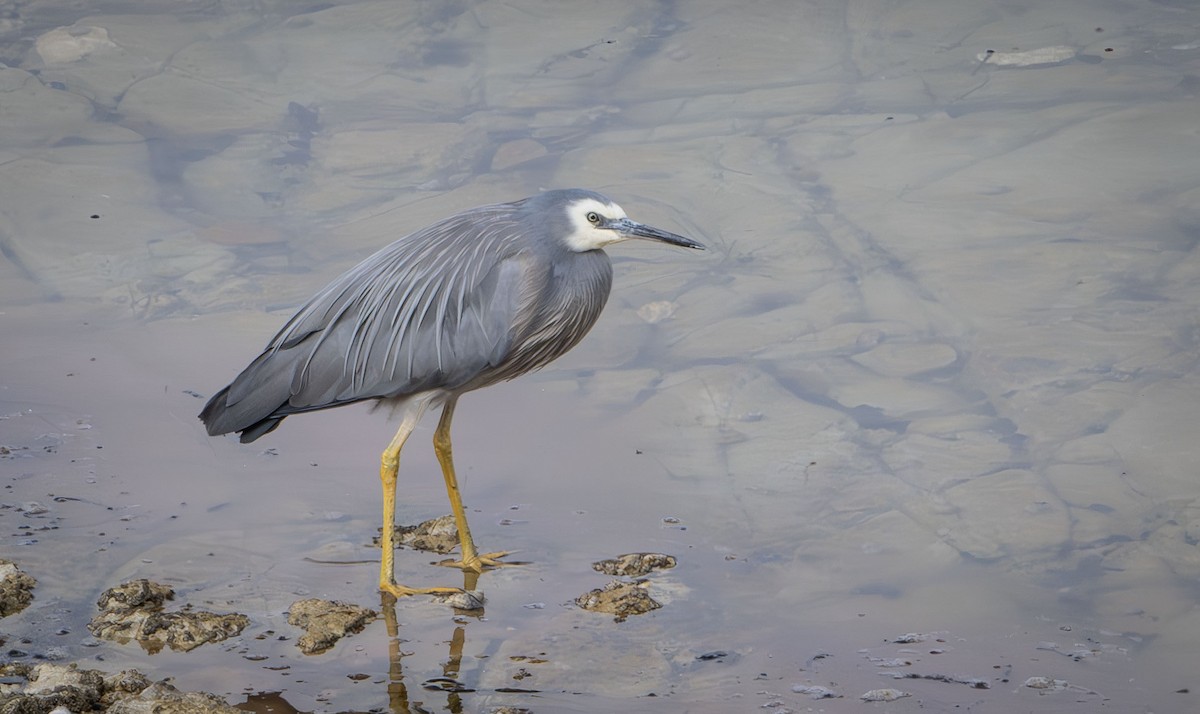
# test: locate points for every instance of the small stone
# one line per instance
(463, 600)
(619, 598)
(161, 697)
(141, 594)
(65, 45)
(326, 621)
(134, 611)
(815, 691)
(883, 695)
(1029, 58)
(657, 311)
(16, 588)
(436, 535)
(634, 564)
(1046, 683)
(66, 688)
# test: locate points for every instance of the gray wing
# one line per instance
(433, 310)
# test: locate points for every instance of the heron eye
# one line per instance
(593, 217)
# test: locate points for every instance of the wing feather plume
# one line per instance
(432, 310)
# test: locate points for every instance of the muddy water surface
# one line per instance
(920, 424)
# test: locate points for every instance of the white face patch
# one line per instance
(586, 236)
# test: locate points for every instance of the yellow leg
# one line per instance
(471, 559)
(389, 466)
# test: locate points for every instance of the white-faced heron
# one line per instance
(477, 298)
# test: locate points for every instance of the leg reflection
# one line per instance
(398, 695)
(396, 689)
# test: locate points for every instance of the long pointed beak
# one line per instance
(633, 229)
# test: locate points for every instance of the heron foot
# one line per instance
(458, 598)
(480, 562)
(399, 591)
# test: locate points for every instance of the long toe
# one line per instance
(399, 591)
(458, 598)
(481, 562)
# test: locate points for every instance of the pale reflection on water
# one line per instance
(937, 373)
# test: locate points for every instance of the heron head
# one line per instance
(594, 221)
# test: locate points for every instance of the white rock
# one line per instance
(883, 695)
(657, 311)
(1029, 58)
(64, 45)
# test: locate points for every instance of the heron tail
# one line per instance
(219, 418)
(255, 402)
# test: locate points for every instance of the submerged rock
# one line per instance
(49, 687)
(162, 698)
(883, 695)
(1029, 58)
(619, 598)
(64, 45)
(326, 621)
(16, 588)
(134, 611)
(634, 564)
(1046, 683)
(436, 535)
(816, 691)
(463, 600)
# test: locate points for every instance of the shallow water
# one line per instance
(935, 374)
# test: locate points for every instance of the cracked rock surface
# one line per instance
(326, 621)
(40, 689)
(134, 611)
(16, 588)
